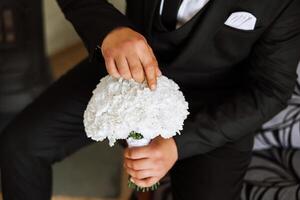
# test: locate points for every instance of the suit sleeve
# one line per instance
(93, 20)
(268, 84)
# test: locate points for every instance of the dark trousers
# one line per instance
(51, 128)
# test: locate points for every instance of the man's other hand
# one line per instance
(147, 165)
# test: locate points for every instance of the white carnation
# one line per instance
(119, 106)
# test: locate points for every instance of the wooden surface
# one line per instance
(67, 58)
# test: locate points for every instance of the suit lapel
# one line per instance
(209, 23)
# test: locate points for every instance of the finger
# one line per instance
(147, 182)
(123, 67)
(137, 152)
(136, 68)
(141, 174)
(158, 71)
(150, 72)
(141, 164)
(149, 66)
(111, 67)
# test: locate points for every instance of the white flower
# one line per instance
(119, 106)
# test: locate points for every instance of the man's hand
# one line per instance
(127, 54)
(147, 165)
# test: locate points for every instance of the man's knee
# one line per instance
(11, 146)
(17, 145)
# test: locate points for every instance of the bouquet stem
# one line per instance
(142, 189)
(137, 140)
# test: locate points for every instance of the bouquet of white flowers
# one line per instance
(125, 109)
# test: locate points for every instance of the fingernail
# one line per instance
(159, 73)
(152, 87)
(131, 180)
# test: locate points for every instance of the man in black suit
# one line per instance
(235, 77)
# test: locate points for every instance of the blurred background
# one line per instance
(38, 45)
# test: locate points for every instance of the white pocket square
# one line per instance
(241, 20)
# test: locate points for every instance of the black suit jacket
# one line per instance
(261, 62)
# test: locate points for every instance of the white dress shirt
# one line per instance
(187, 10)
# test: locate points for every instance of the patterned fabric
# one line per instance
(283, 130)
(274, 172)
